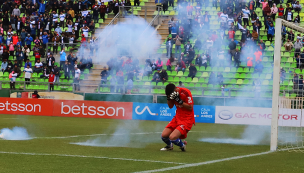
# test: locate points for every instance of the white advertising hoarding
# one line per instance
(256, 116)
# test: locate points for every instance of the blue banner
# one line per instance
(161, 112)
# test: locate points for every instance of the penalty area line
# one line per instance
(205, 163)
(94, 157)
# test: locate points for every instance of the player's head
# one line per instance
(170, 88)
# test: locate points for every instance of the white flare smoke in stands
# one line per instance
(252, 135)
(17, 133)
(130, 37)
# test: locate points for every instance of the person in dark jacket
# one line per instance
(66, 69)
(164, 76)
(198, 60)
(192, 71)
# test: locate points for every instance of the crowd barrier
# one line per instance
(146, 111)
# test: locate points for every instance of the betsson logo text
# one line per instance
(7, 106)
(91, 110)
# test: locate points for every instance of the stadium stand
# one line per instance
(203, 24)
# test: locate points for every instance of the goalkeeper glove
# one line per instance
(175, 96)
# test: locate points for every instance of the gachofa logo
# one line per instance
(225, 115)
(145, 108)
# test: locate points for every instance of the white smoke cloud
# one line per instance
(127, 134)
(130, 36)
(256, 135)
(17, 133)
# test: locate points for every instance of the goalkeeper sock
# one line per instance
(178, 142)
(166, 140)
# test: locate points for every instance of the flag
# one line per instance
(240, 26)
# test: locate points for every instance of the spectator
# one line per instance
(13, 77)
(281, 12)
(28, 63)
(289, 15)
(3, 65)
(35, 95)
(237, 58)
(180, 66)
(52, 79)
(26, 52)
(258, 55)
(288, 45)
(297, 7)
(249, 61)
(169, 45)
(204, 60)
(274, 11)
(258, 67)
(192, 71)
(180, 84)
(295, 81)
(246, 14)
(169, 65)
(20, 57)
(156, 77)
(129, 86)
(62, 58)
(17, 70)
(104, 75)
(178, 42)
(120, 81)
(270, 33)
(27, 74)
(85, 31)
(198, 60)
(77, 79)
(164, 76)
(66, 69)
(297, 20)
(297, 45)
(28, 40)
(262, 45)
(159, 64)
(255, 35)
(38, 67)
(56, 73)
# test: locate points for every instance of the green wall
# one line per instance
(119, 97)
(4, 93)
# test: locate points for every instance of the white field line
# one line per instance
(94, 157)
(205, 163)
(105, 134)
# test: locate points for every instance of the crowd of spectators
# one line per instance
(26, 27)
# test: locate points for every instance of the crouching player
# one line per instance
(182, 122)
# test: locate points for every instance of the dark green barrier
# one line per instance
(119, 97)
(209, 101)
(4, 93)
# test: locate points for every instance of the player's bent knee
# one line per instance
(173, 137)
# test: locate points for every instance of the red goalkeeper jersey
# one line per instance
(182, 114)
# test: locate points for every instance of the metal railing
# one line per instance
(144, 11)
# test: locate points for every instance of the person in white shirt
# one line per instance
(38, 66)
(85, 31)
(55, 18)
(27, 73)
(246, 14)
(62, 18)
(77, 78)
(224, 17)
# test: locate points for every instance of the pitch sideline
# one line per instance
(94, 157)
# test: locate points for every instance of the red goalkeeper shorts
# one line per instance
(183, 127)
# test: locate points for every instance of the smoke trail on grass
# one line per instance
(125, 135)
(255, 135)
(17, 133)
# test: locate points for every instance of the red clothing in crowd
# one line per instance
(51, 78)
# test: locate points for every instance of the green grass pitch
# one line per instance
(136, 149)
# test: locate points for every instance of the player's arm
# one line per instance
(187, 106)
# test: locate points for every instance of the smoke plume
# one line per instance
(17, 133)
(255, 135)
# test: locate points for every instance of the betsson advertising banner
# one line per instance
(256, 116)
(161, 112)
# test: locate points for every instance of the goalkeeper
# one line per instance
(182, 122)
